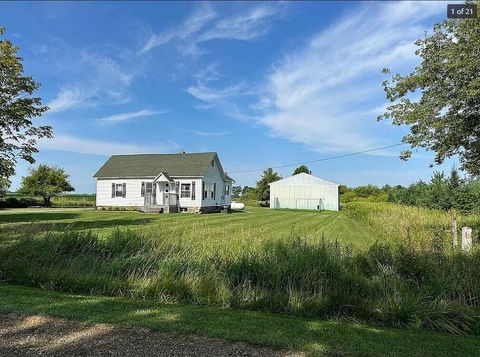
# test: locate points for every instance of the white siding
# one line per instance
(188, 202)
(133, 197)
(214, 176)
(304, 191)
(134, 186)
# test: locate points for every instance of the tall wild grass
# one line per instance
(410, 225)
(388, 284)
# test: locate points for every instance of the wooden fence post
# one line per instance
(466, 239)
(453, 216)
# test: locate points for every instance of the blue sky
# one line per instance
(262, 84)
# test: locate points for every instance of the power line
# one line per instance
(324, 159)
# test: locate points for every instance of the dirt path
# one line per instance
(40, 335)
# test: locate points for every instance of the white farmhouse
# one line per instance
(164, 182)
(304, 191)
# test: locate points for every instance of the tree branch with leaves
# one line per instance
(18, 107)
(440, 99)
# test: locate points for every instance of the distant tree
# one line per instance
(342, 189)
(446, 116)
(367, 191)
(262, 188)
(301, 169)
(454, 181)
(47, 182)
(466, 198)
(17, 108)
(236, 191)
(439, 192)
(246, 189)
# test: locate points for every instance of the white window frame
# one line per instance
(185, 190)
(119, 192)
(209, 191)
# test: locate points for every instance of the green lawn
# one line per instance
(316, 338)
(257, 221)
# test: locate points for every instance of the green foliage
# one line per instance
(301, 169)
(15, 200)
(263, 188)
(249, 197)
(17, 109)
(236, 191)
(368, 193)
(47, 182)
(440, 193)
(446, 117)
(4, 184)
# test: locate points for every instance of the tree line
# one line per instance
(442, 192)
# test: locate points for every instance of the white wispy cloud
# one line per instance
(67, 98)
(192, 25)
(222, 98)
(327, 93)
(205, 24)
(212, 133)
(245, 26)
(93, 79)
(80, 145)
(122, 117)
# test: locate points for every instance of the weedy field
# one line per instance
(384, 264)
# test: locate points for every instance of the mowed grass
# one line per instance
(261, 223)
(315, 338)
(387, 265)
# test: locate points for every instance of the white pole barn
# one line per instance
(304, 191)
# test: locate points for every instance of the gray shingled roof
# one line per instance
(150, 165)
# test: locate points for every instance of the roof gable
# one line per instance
(150, 165)
(303, 179)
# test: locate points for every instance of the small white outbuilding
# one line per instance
(304, 191)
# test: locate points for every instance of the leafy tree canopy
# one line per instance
(47, 182)
(236, 191)
(262, 188)
(18, 107)
(446, 116)
(301, 169)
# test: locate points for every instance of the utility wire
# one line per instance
(324, 159)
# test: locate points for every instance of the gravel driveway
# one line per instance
(46, 336)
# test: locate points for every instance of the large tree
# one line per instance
(300, 169)
(18, 107)
(47, 182)
(262, 188)
(440, 99)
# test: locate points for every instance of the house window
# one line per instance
(119, 190)
(147, 187)
(209, 190)
(193, 190)
(227, 189)
(185, 190)
(213, 163)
